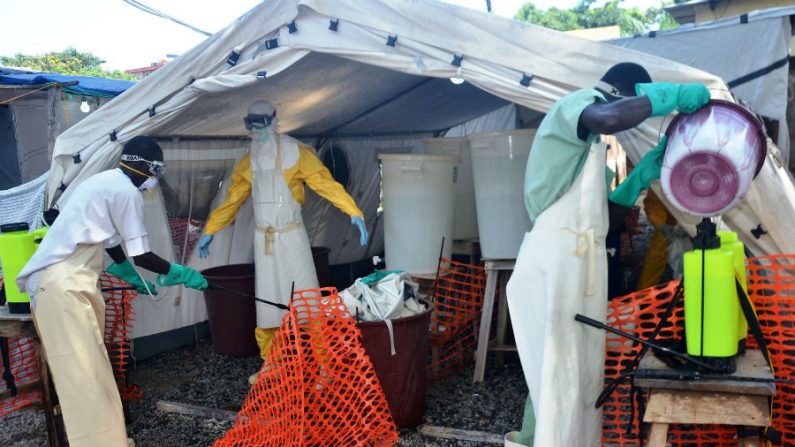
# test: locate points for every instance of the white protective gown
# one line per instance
(283, 254)
(561, 270)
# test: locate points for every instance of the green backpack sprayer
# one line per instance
(17, 244)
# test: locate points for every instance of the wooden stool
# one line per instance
(21, 325)
(496, 270)
(706, 401)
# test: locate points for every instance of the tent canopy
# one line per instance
(322, 94)
(377, 70)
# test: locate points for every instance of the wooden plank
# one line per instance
(752, 364)
(195, 410)
(16, 325)
(700, 407)
(485, 323)
(5, 314)
(463, 435)
(658, 435)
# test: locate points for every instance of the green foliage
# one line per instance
(630, 21)
(69, 61)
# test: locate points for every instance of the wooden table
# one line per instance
(21, 325)
(707, 401)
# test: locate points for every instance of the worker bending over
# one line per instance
(561, 269)
(68, 308)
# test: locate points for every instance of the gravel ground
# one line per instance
(196, 375)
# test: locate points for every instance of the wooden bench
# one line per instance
(21, 325)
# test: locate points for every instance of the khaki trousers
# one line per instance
(70, 319)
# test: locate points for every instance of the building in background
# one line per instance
(143, 72)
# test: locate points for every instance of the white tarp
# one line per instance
(750, 52)
(331, 70)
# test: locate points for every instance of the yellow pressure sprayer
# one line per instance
(17, 244)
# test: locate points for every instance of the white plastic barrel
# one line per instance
(499, 160)
(466, 219)
(419, 208)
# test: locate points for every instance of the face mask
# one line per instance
(263, 135)
(148, 184)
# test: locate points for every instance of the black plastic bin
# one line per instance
(232, 318)
(404, 375)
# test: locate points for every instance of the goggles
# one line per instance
(156, 168)
(258, 121)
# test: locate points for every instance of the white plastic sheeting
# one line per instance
(337, 75)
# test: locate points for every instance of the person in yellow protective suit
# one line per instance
(561, 268)
(106, 210)
(274, 172)
(657, 254)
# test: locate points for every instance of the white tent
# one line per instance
(371, 76)
(750, 51)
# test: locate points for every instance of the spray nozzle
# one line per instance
(706, 235)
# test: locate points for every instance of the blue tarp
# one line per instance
(86, 85)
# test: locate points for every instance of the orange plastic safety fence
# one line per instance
(22, 352)
(638, 314)
(318, 386)
(771, 287)
(119, 318)
(458, 302)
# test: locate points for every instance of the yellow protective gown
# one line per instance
(657, 253)
(297, 169)
(309, 171)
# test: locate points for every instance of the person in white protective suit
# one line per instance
(274, 173)
(561, 269)
(68, 309)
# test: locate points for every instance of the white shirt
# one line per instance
(105, 209)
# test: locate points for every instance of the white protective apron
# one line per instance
(70, 318)
(561, 270)
(282, 254)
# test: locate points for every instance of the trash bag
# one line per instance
(383, 295)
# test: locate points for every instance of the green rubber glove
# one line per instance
(665, 97)
(126, 272)
(179, 274)
(648, 168)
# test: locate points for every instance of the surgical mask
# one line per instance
(262, 135)
(148, 184)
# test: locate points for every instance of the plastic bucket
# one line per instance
(419, 210)
(320, 258)
(499, 161)
(232, 318)
(403, 376)
(711, 158)
(466, 218)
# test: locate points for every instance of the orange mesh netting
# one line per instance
(318, 387)
(459, 290)
(22, 352)
(185, 233)
(638, 314)
(771, 286)
(119, 318)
